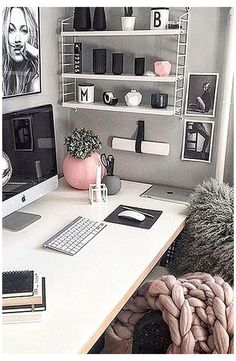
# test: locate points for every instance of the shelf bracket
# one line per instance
(181, 60)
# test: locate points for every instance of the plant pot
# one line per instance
(79, 173)
(127, 23)
(112, 183)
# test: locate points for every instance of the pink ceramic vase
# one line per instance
(79, 173)
(162, 68)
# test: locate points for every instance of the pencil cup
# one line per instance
(139, 66)
(117, 63)
(99, 61)
(97, 194)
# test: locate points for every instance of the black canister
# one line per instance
(117, 63)
(82, 19)
(159, 100)
(99, 61)
(139, 66)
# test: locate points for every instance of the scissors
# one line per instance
(108, 162)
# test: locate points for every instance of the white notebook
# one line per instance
(22, 317)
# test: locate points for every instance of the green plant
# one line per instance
(128, 11)
(82, 143)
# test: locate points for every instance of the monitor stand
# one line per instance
(17, 221)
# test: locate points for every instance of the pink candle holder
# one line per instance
(162, 68)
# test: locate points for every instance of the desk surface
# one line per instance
(86, 291)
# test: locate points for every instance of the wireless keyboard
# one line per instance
(74, 236)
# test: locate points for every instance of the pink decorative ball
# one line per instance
(79, 173)
(162, 68)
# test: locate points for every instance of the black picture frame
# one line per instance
(197, 140)
(201, 94)
(21, 58)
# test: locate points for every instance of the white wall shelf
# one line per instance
(142, 109)
(177, 80)
(159, 79)
(123, 33)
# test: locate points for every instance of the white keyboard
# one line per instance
(74, 236)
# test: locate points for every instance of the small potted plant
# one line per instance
(128, 20)
(79, 166)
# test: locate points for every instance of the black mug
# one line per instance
(139, 65)
(117, 63)
(99, 61)
(159, 100)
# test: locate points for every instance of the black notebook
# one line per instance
(28, 308)
(17, 283)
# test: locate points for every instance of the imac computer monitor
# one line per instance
(29, 142)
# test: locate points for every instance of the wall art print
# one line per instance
(201, 94)
(197, 140)
(20, 51)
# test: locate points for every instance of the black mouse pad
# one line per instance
(146, 224)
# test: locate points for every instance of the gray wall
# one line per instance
(50, 80)
(206, 51)
(206, 41)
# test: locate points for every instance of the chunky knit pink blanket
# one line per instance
(198, 309)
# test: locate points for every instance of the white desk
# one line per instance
(86, 291)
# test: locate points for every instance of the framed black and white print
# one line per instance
(21, 73)
(197, 140)
(201, 94)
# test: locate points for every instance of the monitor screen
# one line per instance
(28, 140)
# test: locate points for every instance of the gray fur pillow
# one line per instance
(206, 243)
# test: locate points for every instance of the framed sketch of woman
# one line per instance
(20, 51)
(201, 94)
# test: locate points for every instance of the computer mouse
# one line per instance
(132, 215)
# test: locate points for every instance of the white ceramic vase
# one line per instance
(133, 98)
(127, 23)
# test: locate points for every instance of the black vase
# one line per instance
(82, 19)
(99, 61)
(99, 19)
(117, 63)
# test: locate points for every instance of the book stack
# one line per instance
(23, 296)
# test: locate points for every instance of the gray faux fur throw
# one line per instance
(206, 243)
